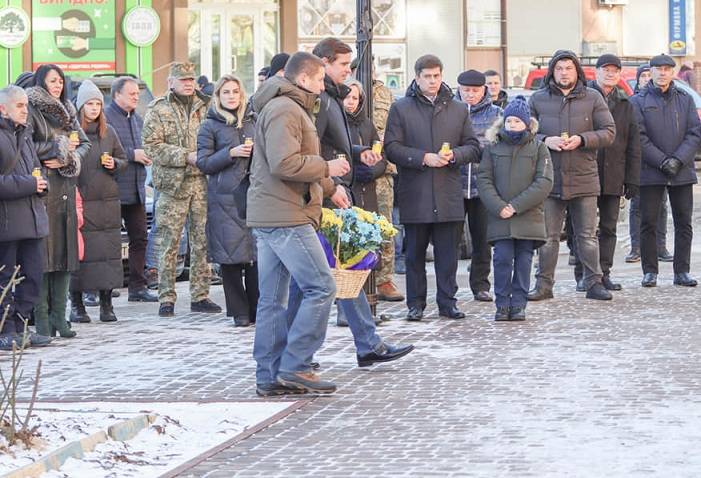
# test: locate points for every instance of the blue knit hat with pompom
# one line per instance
(519, 108)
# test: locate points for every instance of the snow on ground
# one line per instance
(181, 432)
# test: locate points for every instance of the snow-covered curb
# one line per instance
(120, 431)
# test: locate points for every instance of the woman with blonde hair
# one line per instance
(224, 147)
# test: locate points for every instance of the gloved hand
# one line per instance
(362, 174)
(631, 190)
(671, 166)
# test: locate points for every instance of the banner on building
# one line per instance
(677, 27)
(76, 35)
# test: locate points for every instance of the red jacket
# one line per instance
(79, 213)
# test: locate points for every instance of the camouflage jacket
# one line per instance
(169, 135)
(381, 101)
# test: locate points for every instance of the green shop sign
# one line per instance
(77, 35)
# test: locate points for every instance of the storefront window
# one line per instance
(484, 23)
(193, 38)
(322, 18)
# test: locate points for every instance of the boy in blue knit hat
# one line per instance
(515, 177)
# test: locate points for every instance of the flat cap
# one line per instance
(662, 60)
(472, 78)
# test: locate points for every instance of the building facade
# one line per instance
(241, 36)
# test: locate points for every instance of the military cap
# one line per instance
(182, 71)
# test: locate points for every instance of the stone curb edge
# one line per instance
(120, 431)
(294, 406)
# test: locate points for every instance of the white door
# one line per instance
(238, 38)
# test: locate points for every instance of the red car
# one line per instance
(534, 81)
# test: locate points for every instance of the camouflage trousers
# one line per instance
(171, 214)
(385, 198)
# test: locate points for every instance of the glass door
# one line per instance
(227, 40)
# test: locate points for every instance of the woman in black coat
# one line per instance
(53, 120)
(362, 132)
(101, 267)
(224, 146)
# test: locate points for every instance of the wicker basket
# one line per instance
(349, 283)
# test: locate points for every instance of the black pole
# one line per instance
(363, 21)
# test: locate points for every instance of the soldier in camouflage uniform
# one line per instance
(381, 101)
(170, 140)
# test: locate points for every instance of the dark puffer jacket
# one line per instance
(619, 164)
(332, 128)
(417, 126)
(52, 123)
(101, 267)
(22, 212)
(132, 180)
(669, 126)
(482, 115)
(229, 241)
(517, 174)
(363, 132)
(582, 112)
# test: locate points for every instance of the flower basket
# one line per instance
(357, 235)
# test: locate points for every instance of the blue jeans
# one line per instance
(512, 272)
(583, 211)
(361, 322)
(288, 333)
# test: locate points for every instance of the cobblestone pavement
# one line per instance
(582, 388)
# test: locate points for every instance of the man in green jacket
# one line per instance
(170, 140)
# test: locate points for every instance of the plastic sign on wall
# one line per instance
(14, 27)
(677, 27)
(77, 35)
(141, 26)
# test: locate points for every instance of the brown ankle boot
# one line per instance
(389, 292)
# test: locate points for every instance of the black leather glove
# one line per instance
(362, 173)
(631, 190)
(671, 166)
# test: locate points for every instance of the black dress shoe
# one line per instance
(610, 285)
(580, 286)
(415, 314)
(386, 354)
(665, 256)
(242, 321)
(483, 296)
(167, 309)
(540, 293)
(142, 295)
(598, 292)
(452, 313)
(502, 314)
(683, 278)
(649, 280)
(315, 365)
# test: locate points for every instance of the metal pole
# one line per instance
(363, 21)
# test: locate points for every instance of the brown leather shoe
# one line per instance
(389, 292)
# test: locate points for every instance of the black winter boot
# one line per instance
(106, 310)
(78, 312)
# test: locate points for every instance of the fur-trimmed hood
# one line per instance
(60, 115)
(493, 135)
